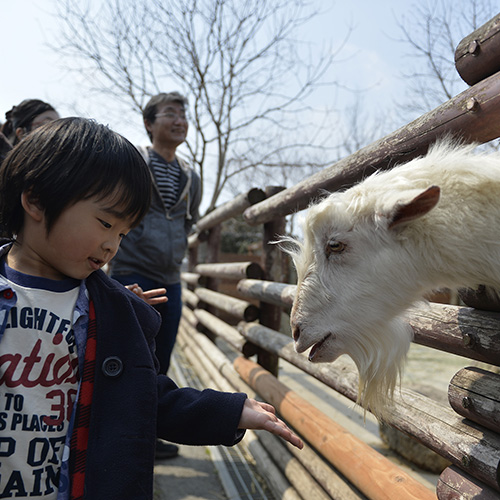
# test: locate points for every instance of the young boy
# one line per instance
(81, 403)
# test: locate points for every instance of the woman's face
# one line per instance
(42, 119)
(39, 120)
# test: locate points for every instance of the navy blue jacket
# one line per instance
(132, 404)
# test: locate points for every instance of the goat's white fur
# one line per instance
(368, 255)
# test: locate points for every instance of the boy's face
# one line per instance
(84, 238)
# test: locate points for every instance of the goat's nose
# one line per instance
(296, 332)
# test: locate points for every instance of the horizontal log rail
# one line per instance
(194, 279)
(474, 393)
(454, 484)
(230, 270)
(231, 335)
(278, 294)
(473, 115)
(190, 298)
(230, 209)
(476, 56)
(368, 470)
(238, 308)
(433, 424)
(464, 331)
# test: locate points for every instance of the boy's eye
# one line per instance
(107, 225)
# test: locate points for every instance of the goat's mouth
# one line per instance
(317, 347)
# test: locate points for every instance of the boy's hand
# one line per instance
(152, 297)
(257, 415)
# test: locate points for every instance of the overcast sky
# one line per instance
(371, 59)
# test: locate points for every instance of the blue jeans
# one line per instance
(170, 314)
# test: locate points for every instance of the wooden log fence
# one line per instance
(335, 464)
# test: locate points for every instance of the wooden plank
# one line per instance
(298, 476)
(279, 294)
(193, 279)
(220, 328)
(368, 470)
(476, 56)
(336, 485)
(230, 209)
(474, 393)
(230, 270)
(473, 114)
(238, 308)
(455, 484)
(464, 331)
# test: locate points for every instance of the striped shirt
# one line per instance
(168, 175)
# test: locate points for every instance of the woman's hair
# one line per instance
(69, 160)
(22, 116)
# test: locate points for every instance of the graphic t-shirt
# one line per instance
(38, 384)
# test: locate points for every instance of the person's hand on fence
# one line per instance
(257, 415)
(152, 297)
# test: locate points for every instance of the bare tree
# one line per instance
(432, 29)
(240, 63)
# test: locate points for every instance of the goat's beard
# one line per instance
(379, 357)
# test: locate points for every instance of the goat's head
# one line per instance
(352, 270)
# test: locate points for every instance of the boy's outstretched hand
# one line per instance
(257, 415)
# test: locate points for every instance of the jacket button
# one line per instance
(112, 366)
(8, 294)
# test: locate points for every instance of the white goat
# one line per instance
(372, 251)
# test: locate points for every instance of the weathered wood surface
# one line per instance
(193, 279)
(230, 209)
(455, 484)
(368, 470)
(474, 393)
(274, 263)
(230, 334)
(294, 471)
(331, 480)
(190, 298)
(460, 330)
(473, 114)
(238, 308)
(230, 270)
(477, 55)
(189, 317)
(476, 450)
(196, 238)
(279, 294)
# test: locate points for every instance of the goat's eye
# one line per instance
(334, 247)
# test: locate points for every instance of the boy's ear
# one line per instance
(32, 206)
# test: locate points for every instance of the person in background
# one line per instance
(151, 255)
(80, 392)
(5, 147)
(25, 117)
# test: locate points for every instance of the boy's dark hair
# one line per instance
(151, 109)
(22, 116)
(69, 160)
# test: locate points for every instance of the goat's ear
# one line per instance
(420, 205)
(288, 245)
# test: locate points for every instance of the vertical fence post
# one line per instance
(272, 264)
